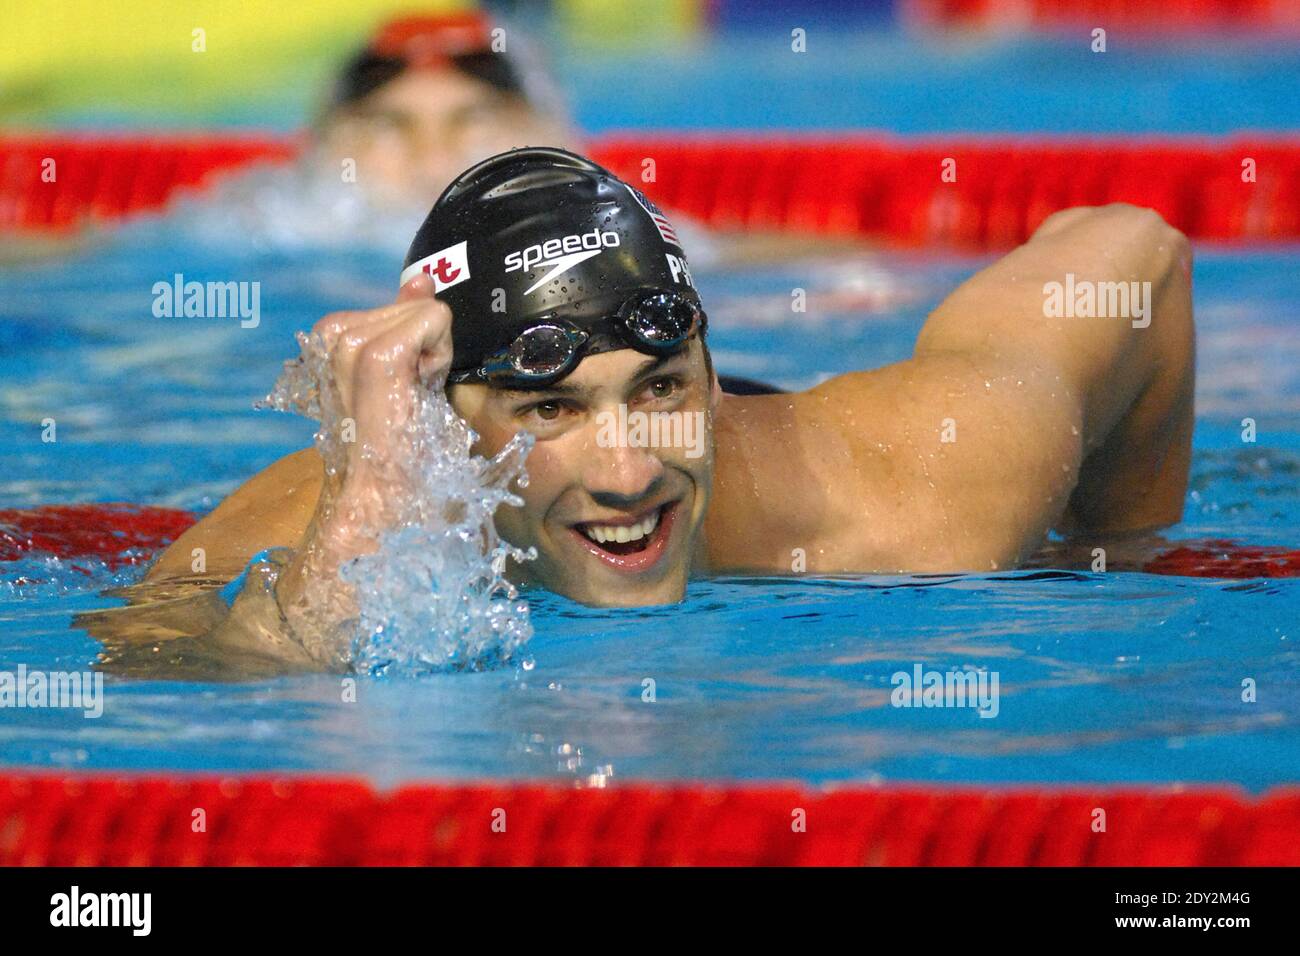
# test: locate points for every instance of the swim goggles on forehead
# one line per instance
(653, 322)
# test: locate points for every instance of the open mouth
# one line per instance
(630, 545)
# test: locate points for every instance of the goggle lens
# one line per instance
(544, 350)
(659, 322)
(662, 320)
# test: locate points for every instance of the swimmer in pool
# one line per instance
(1006, 423)
(429, 96)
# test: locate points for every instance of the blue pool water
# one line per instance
(1104, 677)
(1116, 677)
(951, 84)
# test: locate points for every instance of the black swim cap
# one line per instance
(540, 234)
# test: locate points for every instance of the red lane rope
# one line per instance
(92, 819)
(121, 533)
(1224, 559)
(981, 193)
(55, 182)
(106, 531)
(1000, 189)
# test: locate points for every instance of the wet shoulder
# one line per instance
(270, 509)
(768, 493)
(807, 480)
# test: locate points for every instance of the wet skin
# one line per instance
(1078, 424)
(575, 482)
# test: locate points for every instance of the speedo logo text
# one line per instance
(563, 253)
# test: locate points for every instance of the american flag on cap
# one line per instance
(666, 231)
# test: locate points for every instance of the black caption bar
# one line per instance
(333, 905)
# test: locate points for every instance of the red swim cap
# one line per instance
(431, 42)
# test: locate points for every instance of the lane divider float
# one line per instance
(980, 193)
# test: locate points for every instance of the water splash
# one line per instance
(40, 576)
(433, 595)
(296, 209)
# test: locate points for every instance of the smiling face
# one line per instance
(615, 523)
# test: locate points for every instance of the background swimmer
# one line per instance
(1004, 424)
(429, 96)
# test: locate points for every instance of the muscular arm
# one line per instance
(269, 510)
(378, 360)
(176, 602)
(1130, 383)
(1082, 424)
